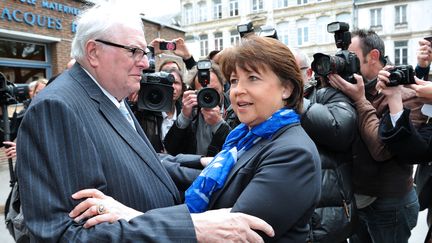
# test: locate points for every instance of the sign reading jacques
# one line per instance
(40, 20)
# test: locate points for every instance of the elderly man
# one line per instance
(78, 133)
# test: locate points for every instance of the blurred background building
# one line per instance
(211, 24)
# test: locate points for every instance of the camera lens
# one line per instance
(155, 96)
(208, 98)
(396, 77)
(321, 64)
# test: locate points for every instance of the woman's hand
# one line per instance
(99, 208)
(10, 151)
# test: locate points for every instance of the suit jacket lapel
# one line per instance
(243, 160)
(135, 139)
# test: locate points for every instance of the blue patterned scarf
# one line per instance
(214, 175)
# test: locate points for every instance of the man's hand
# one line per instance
(189, 101)
(212, 115)
(393, 93)
(424, 53)
(88, 209)
(355, 91)
(223, 226)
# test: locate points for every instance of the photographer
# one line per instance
(330, 119)
(381, 182)
(156, 124)
(200, 130)
(404, 140)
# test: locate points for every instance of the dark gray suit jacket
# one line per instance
(277, 180)
(73, 137)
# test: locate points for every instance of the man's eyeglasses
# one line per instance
(137, 53)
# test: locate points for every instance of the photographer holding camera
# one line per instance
(382, 182)
(200, 126)
(157, 122)
(398, 132)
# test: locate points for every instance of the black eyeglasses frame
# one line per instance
(129, 48)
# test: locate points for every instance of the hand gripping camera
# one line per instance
(401, 75)
(11, 93)
(156, 92)
(344, 62)
(207, 97)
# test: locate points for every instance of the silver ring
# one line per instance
(101, 209)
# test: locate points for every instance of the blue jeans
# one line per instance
(390, 220)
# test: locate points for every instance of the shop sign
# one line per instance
(40, 20)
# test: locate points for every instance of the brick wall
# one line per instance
(60, 51)
(153, 30)
(60, 54)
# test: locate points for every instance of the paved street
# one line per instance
(4, 192)
(417, 234)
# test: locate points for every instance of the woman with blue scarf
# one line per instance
(268, 167)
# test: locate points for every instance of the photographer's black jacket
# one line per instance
(331, 121)
(184, 141)
(151, 122)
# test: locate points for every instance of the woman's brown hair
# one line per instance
(253, 52)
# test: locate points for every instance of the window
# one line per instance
(22, 50)
(280, 3)
(188, 15)
(401, 52)
(343, 17)
(257, 5)
(300, 2)
(283, 30)
(302, 32)
(400, 14)
(323, 36)
(203, 40)
(375, 15)
(202, 11)
(217, 8)
(218, 41)
(234, 38)
(234, 7)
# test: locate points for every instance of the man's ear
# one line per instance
(309, 73)
(374, 55)
(92, 53)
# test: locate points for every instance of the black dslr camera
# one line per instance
(344, 62)
(207, 97)
(11, 93)
(401, 75)
(156, 92)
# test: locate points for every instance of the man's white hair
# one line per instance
(101, 21)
